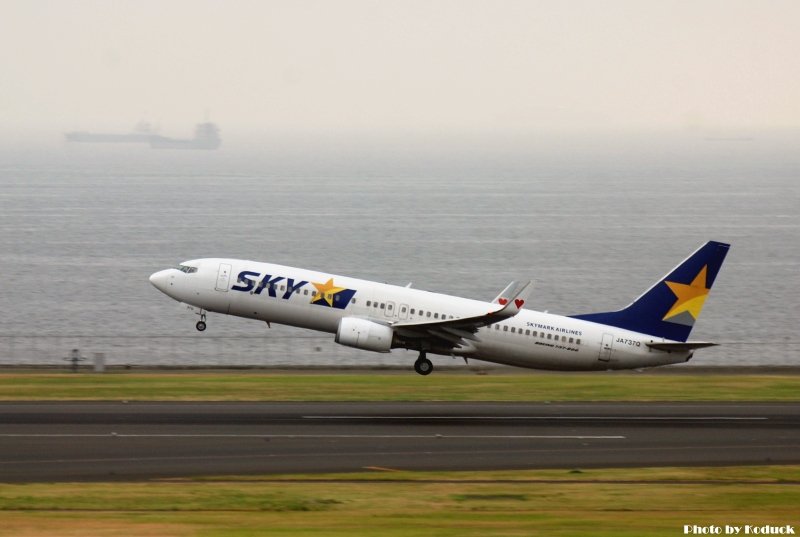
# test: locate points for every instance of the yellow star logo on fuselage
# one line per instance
(326, 291)
(690, 298)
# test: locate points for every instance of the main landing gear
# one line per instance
(423, 366)
(201, 324)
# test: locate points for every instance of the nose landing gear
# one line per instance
(423, 366)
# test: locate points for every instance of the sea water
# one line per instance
(82, 227)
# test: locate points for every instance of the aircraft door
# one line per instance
(390, 310)
(403, 312)
(606, 346)
(223, 277)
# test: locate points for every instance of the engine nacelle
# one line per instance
(364, 334)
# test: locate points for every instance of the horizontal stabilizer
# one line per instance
(680, 347)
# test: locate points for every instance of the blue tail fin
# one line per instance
(670, 308)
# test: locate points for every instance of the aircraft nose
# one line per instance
(160, 280)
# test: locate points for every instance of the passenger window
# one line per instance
(496, 327)
(505, 329)
(353, 301)
(383, 305)
(513, 330)
(412, 311)
(571, 340)
(305, 292)
(578, 341)
(428, 314)
(369, 302)
(549, 336)
(435, 315)
(527, 332)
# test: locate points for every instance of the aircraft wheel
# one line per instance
(201, 325)
(423, 366)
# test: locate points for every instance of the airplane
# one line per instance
(652, 331)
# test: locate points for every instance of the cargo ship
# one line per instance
(141, 133)
(206, 136)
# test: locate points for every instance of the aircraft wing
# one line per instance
(459, 332)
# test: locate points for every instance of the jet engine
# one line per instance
(364, 334)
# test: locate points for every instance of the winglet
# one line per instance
(502, 298)
(512, 298)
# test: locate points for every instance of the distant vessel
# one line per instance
(206, 136)
(142, 133)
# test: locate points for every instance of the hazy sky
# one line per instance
(426, 66)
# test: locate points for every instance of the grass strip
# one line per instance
(656, 501)
(283, 386)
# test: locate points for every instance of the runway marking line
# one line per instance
(317, 436)
(606, 418)
(381, 469)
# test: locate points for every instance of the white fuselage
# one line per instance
(529, 339)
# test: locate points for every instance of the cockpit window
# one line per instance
(186, 269)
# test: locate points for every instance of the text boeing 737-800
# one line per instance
(651, 331)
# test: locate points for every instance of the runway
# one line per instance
(116, 441)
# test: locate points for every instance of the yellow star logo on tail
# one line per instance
(326, 292)
(690, 299)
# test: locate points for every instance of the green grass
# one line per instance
(614, 502)
(548, 502)
(381, 386)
